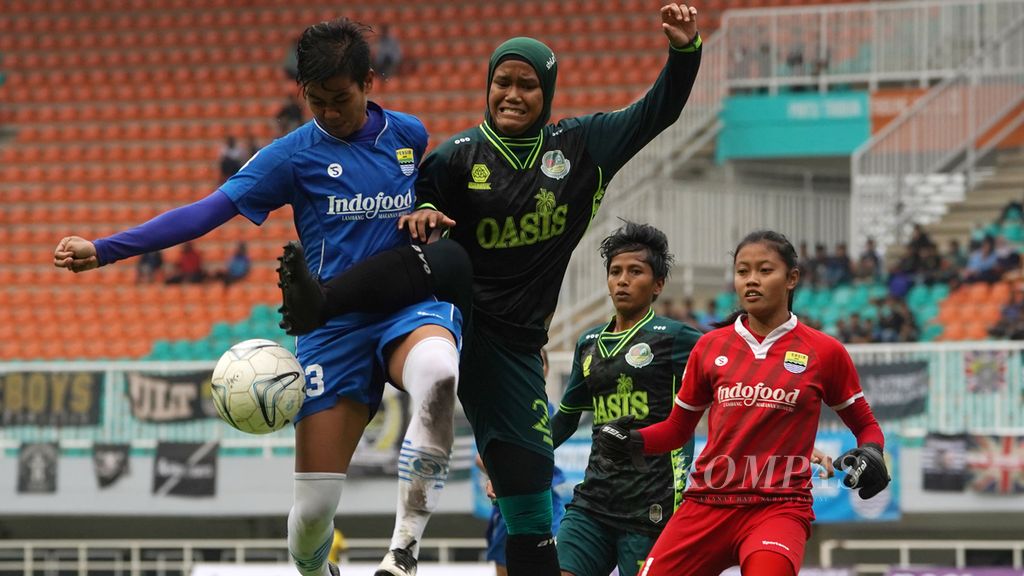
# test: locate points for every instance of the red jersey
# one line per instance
(765, 400)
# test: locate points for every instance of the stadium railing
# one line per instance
(973, 386)
(946, 131)
(904, 550)
(179, 557)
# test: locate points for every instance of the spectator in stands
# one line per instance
(919, 238)
(232, 157)
(1012, 212)
(238, 266)
(289, 116)
(817, 267)
(928, 265)
(843, 333)
(860, 330)
(838, 268)
(869, 264)
(189, 267)
(253, 146)
(150, 265)
(1007, 256)
(956, 255)
(707, 319)
(983, 263)
(291, 62)
(1011, 318)
(687, 314)
(901, 275)
(895, 321)
(387, 53)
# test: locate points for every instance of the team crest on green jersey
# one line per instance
(639, 355)
(554, 164)
(405, 160)
(481, 174)
(586, 365)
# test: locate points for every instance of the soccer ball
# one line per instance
(258, 386)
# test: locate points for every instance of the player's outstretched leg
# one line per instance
(430, 375)
(302, 309)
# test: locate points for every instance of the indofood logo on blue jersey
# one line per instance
(361, 207)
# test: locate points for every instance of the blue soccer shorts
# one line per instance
(345, 358)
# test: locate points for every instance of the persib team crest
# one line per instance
(554, 164)
(405, 160)
(795, 362)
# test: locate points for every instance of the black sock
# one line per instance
(400, 277)
(531, 555)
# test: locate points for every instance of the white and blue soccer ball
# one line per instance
(258, 386)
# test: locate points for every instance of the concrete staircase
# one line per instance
(982, 205)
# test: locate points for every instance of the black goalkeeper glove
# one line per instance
(616, 442)
(865, 470)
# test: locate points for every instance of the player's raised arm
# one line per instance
(615, 137)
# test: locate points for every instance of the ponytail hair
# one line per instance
(782, 246)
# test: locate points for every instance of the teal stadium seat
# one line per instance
(726, 302)
(918, 296)
(842, 297)
(822, 299)
(939, 292)
(931, 332)
(877, 291)
(802, 298)
(926, 313)
(1013, 231)
(861, 296)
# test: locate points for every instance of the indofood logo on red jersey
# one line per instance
(759, 395)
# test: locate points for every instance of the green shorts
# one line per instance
(502, 391)
(587, 547)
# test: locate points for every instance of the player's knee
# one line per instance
(435, 362)
(316, 502)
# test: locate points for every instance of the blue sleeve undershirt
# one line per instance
(168, 229)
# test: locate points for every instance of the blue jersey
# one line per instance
(346, 194)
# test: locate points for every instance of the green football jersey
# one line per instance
(638, 372)
(521, 205)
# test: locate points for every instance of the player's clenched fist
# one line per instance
(679, 22)
(865, 470)
(76, 254)
(618, 443)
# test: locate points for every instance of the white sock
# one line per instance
(311, 520)
(430, 376)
